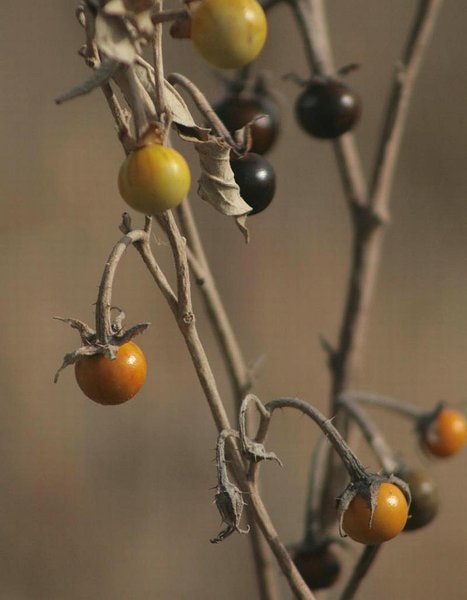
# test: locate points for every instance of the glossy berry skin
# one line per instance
(389, 517)
(319, 568)
(425, 498)
(327, 108)
(256, 180)
(153, 179)
(446, 434)
(228, 34)
(235, 112)
(112, 382)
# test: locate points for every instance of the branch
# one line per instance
(405, 76)
(239, 373)
(402, 408)
(362, 567)
(178, 245)
(368, 213)
(209, 386)
(372, 435)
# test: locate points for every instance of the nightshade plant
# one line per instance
(147, 107)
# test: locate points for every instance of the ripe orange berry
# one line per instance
(111, 382)
(446, 434)
(389, 516)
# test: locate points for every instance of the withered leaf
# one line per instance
(217, 184)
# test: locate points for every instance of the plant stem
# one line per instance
(362, 567)
(103, 304)
(372, 435)
(159, 86)
(239, 373)
(353, 466)
(406, 410)
(208, 383)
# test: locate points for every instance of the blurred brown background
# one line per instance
(115, 503)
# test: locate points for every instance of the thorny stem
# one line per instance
(132, 88)
(353, 466)
(232, 354)
(372, 435)
(239, 374)
(209, 385)
(362, 567)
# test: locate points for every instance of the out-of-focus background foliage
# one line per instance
(116, 503)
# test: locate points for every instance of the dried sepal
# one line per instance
(355, 488)
(229, 502)
(368, 489)
(91, 345)
(256, 452)
(253, 451)
(128, 334)
(228, 498)
(71, 357)
(87, 333)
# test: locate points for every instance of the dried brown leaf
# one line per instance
(217, 184)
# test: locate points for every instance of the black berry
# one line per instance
(327, 108)
(256, 180)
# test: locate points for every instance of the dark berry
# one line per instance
(235, 112)
(327, 108)
(425, 500)
(319, 568)
(256, 180)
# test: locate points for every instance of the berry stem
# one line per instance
(352, 464)
(372, 435)
(362, 567)
(203, 106)
(401, 408)
(159, 85)
(103, 304)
